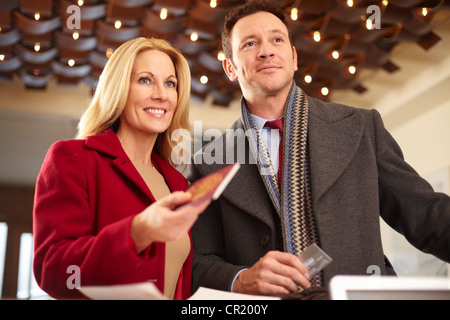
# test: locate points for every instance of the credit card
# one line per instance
(314, 259)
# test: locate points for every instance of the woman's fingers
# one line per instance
(166, 220)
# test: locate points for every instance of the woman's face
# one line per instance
(153, 96)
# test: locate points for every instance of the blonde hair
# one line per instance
(112, 89)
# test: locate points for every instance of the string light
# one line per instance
(424, 12)
(325, 91)
(213, 3)
(109, 52)
(2, 57)
(204, 79)
(308, 78)
(118, 24)
(369, 24)
(350, 3)
(37, 16)
(71, 62)
(80, 3)
(294, 14)
(75, 35)
(317, 36)
(37, 46)
(385, 2)
(163, 14)
(194, 36)
(352, 69)
(335, 54)
(221, 56)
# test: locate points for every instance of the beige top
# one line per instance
(176, 251)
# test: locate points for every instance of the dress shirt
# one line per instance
(271, 138)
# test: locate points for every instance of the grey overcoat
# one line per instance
(357, 174)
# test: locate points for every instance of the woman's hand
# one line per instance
(161, 222)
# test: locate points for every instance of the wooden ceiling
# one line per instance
(47, 39)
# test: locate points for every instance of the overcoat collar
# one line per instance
(334, 134)
(108, 144)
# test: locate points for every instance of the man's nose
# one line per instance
(266, 51)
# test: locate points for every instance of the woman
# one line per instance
(105, 202)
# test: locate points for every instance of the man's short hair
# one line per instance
(247, 9)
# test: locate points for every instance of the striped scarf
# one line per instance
(293, 202)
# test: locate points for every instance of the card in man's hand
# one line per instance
(211, 186)
(314, 259)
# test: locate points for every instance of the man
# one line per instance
(340, 171)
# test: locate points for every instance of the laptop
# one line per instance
(389, 288)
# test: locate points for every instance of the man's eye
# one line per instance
(250, 44)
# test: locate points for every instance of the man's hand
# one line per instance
(276, 273)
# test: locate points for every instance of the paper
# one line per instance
(212, 294)
(148, 291)
(135, 291)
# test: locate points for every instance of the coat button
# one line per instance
(265, 240)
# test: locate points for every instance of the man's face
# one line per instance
(263, 61)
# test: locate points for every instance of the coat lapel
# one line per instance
(246, 190)
(108, 143)
(333, 138)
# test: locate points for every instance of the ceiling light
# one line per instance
(163, 14)
(335, 54)
(294, 14)
(317, 36)
(109, 52)
(194, 36)
(221, 56)
(352, 69)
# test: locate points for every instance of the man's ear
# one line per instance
(294, 53)
(229, 69)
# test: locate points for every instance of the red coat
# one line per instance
(86, 196)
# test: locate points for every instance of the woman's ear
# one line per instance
(229, 69)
